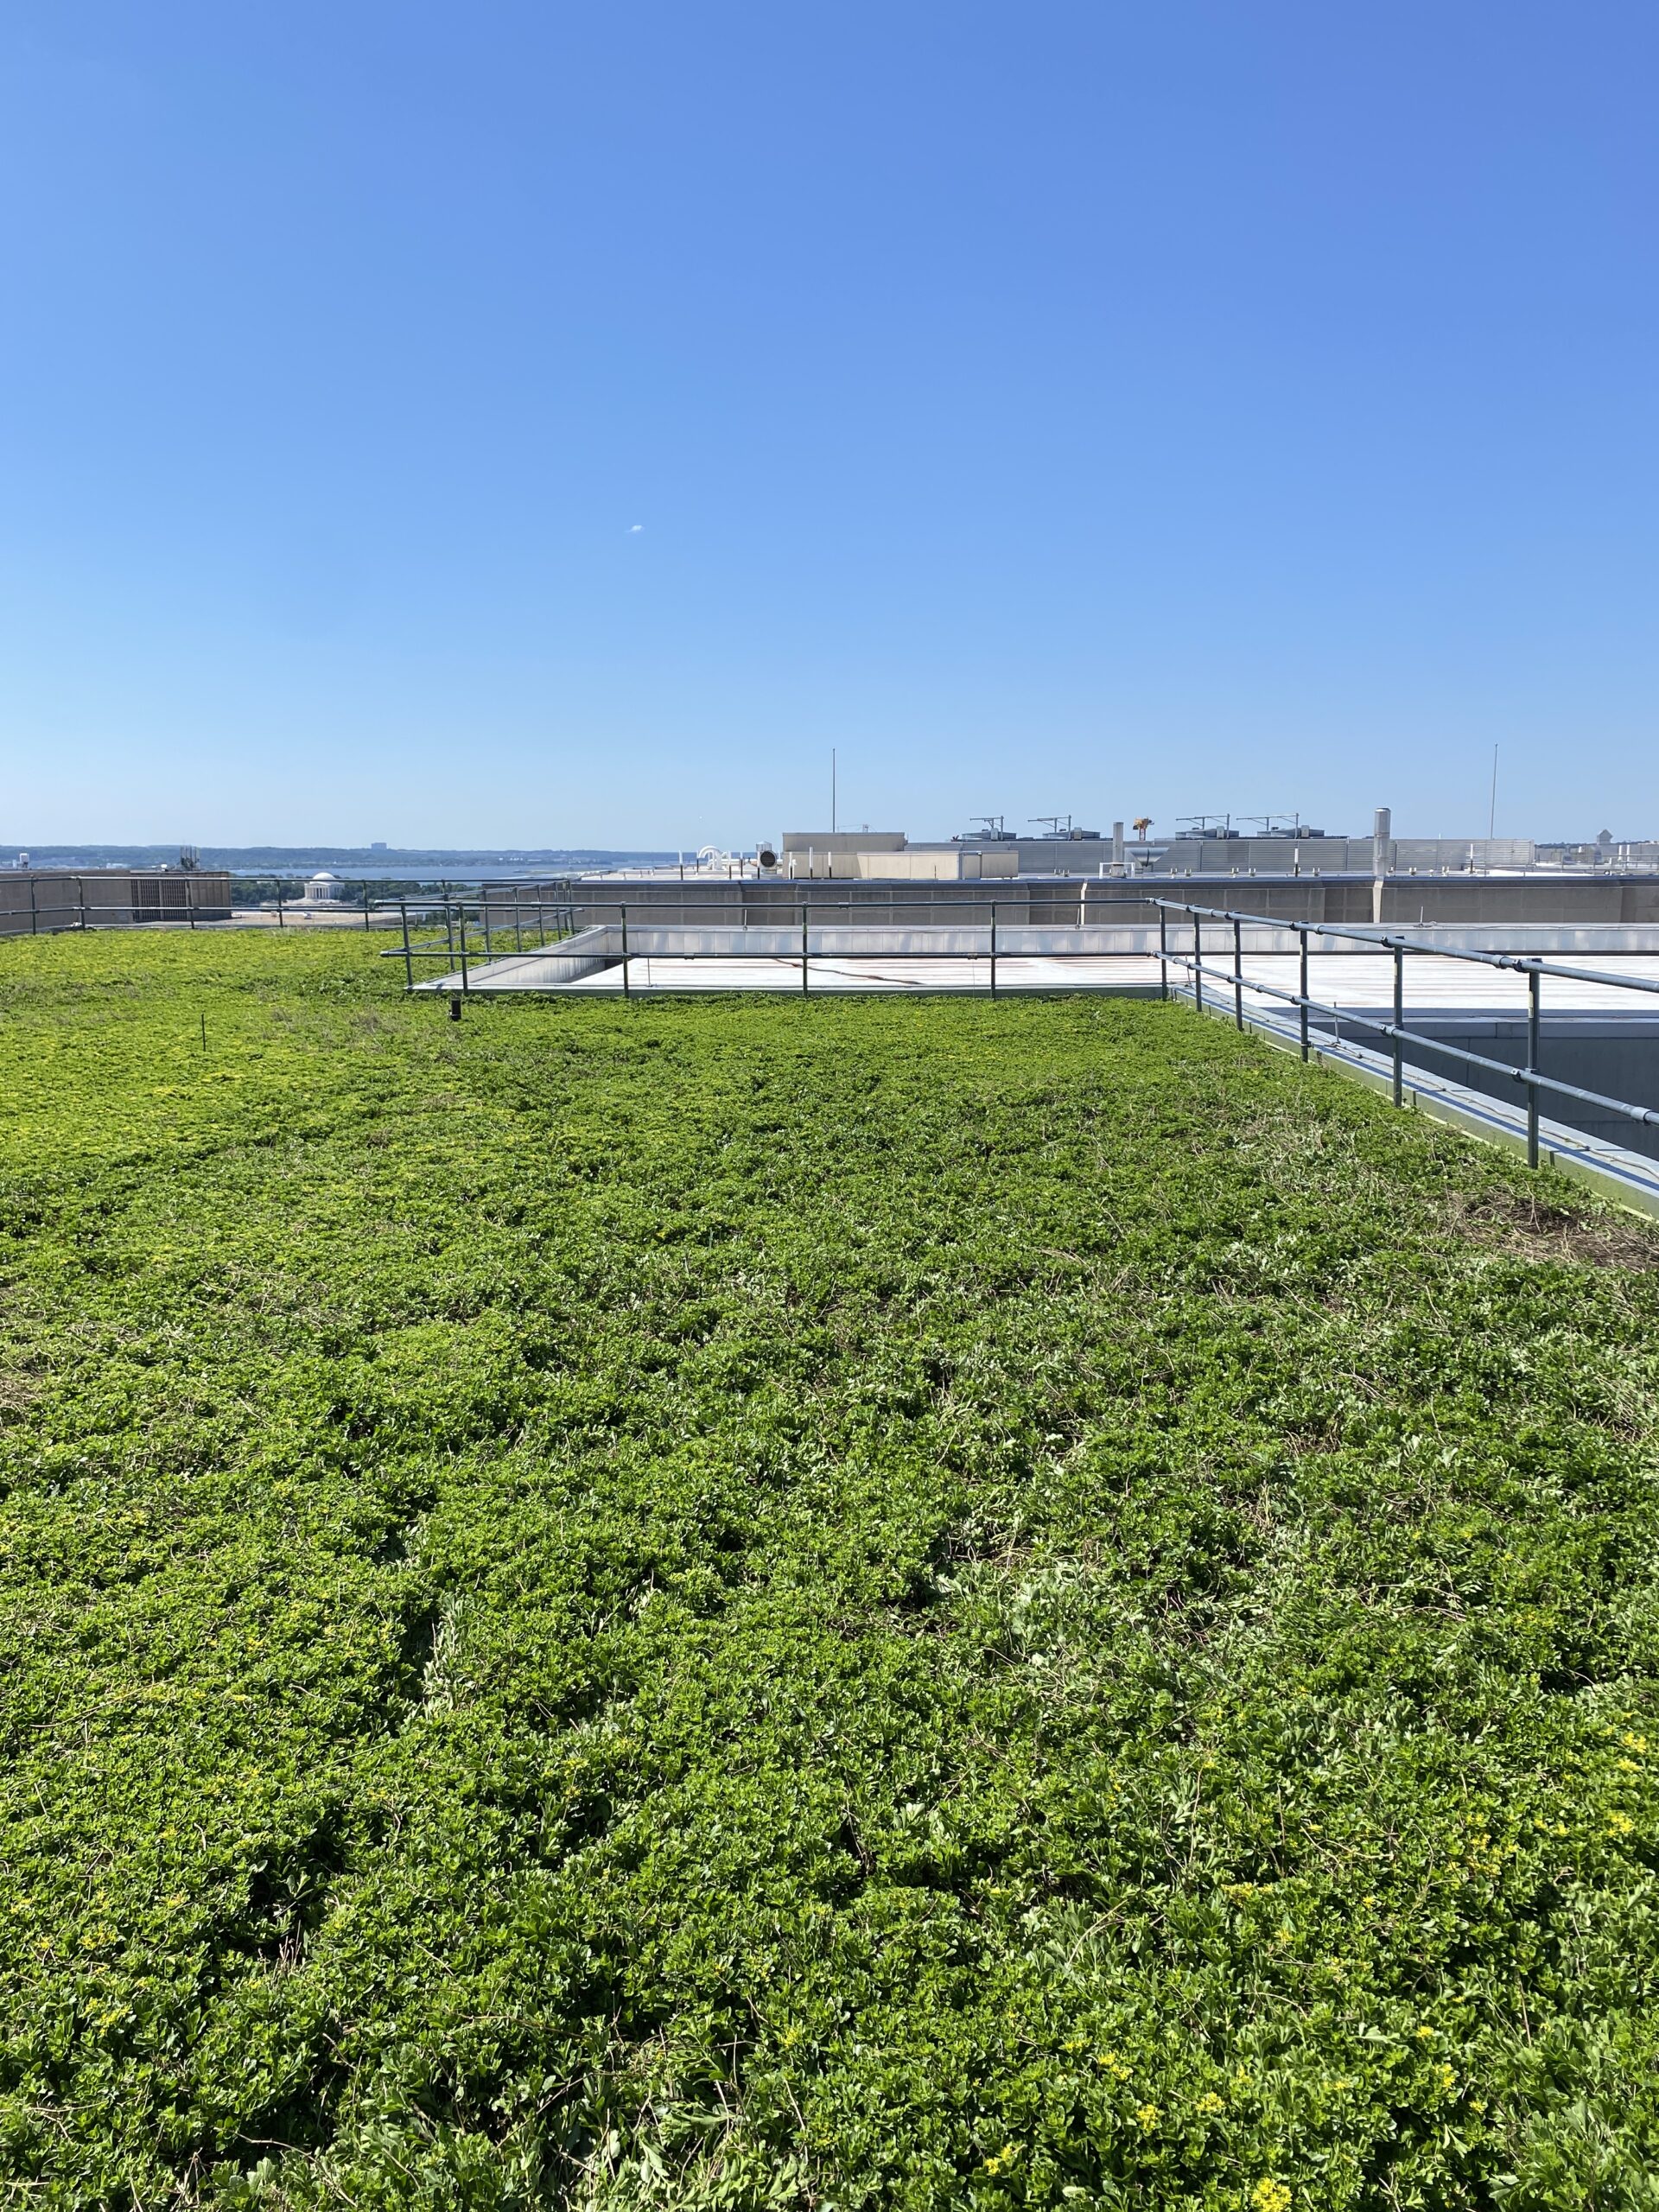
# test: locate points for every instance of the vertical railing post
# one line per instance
(409, 958)
(518, 923)
(1163, 951)
(1238, 973)
(367, 924)
(449, 925)
(1399, 1022)
(34, 911)
(461, 920)
(484, 920)
(993, 948)
(280, 922)
(1198, 962)
(1301, 986)
(804, 982)
(627, 986)
(80, 892)
(1533, 984)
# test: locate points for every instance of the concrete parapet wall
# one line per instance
(585, 954)
(1405, 902)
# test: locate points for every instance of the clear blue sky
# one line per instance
(553, 423)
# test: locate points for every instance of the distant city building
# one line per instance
(1211, 846)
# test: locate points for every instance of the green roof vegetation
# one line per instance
(764, 1604)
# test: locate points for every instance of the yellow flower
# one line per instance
(1620, 1823)
(1270, 2196)
(1147, 2116)
(1210, 2102)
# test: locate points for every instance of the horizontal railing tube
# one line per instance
(1622, 1106)
(1515, 962)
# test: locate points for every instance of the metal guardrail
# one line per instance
(487, 905)
(549, 912)
(49, 902)
(1396, 1032)
(461, 952)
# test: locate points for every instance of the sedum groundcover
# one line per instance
(761, 1604)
